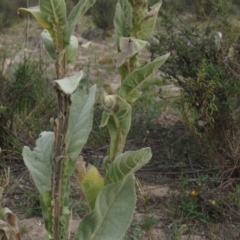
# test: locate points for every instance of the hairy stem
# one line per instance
(60, 152)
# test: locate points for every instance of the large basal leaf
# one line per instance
(138, 77)
(69, 84)
(126, 164)
(39, 163)
(90, 180)
(75, 14)
(80, 121)
(55, 10)
(149, 21)
(39, 160)
(113, 212)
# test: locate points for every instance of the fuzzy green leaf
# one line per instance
(122, 20)
(80, 121)
(149, 21)
(126, 164)
(119, 23)
(48, 44)
(72, 49)
(69, 84)
(46, 206)
(39, 160)
(138, 77)
(77, 12)
(55, 10)
(127, 11)
(104, 120)
(113, 212)
(41, 18)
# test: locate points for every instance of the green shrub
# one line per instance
(202, 9)
(23, 103)
(103, 13)
(8, 12)
(205, 67)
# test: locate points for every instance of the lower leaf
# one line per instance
(113, 212)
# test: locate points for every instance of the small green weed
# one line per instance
(147, 223)
(80, 208)
(190, 208)
(193, 202)
(138, 229)
(23, 229)
(134, 232)
(178, 230)
(30, 204)
(173, 231)
(233, 197)
(34, 208)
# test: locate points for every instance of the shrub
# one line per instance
(23, 104)
(205, 67)
(103, 13)
(8, 12)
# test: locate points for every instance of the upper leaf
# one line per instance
(75, 14)
(80, 121)
(105, 118)
(128, 48)
(149, 21)
(127, 11)
(69, 84)
(55, 10)
(39, 160)
(123, 19)
(113, 212)
(138, 77)
(48, 44)
(126, 164)
(72, 49)
(41, 18)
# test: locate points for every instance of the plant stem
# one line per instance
(60, 152)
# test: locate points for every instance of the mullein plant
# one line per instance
(134, 24)
(111, 199)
